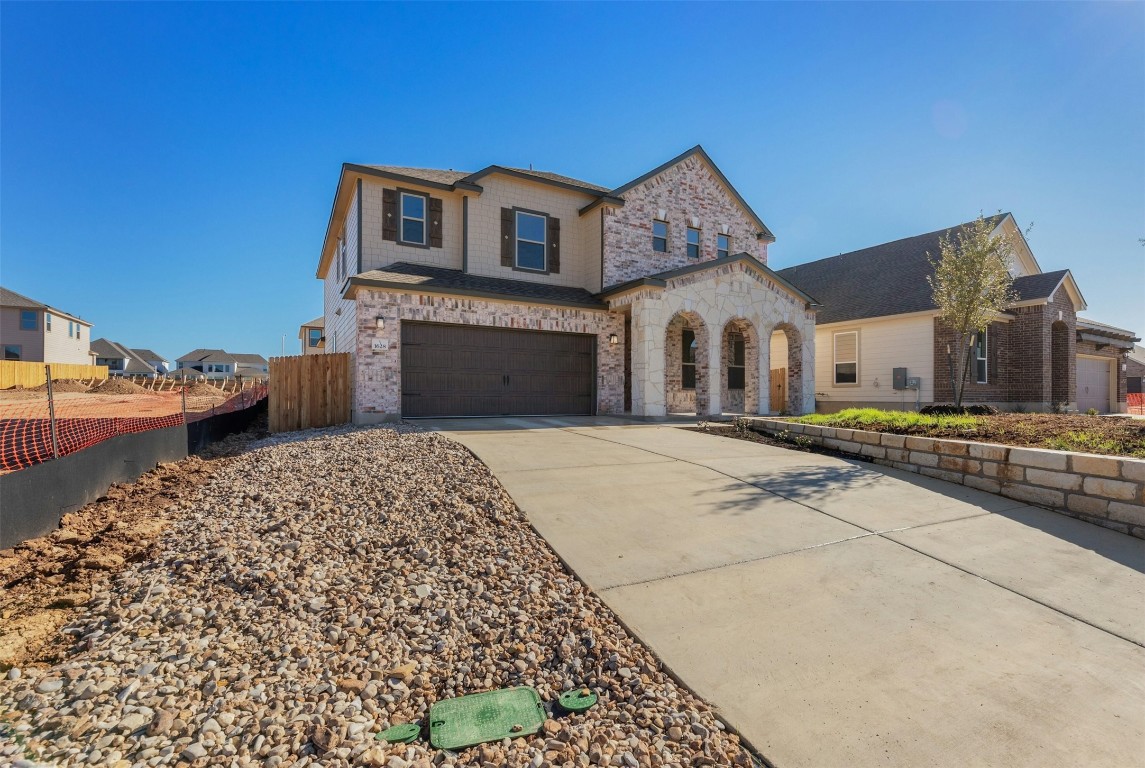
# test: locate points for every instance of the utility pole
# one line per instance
(283, 345)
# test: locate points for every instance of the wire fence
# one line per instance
(1136, 403)
(61, 417)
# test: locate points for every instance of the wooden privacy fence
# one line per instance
(308, 391)
(22, 373)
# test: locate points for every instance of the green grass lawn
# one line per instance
(1062, 432)
(861, 418)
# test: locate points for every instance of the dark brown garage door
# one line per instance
(465, 370)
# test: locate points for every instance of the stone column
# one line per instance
(648, 397)
(764, 371)
(715, 373)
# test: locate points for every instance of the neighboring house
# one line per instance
(251, 366)
(313, 336)
(123, 361)
(1135, 371)
(34, 331)
(220, 364)
(514, 291)
(878, 315)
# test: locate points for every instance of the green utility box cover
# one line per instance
(400, 734)
(481, 717)
(578, 700)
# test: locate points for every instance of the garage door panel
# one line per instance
(1093, 384)
(451, 370)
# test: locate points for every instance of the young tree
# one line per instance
(971, 283)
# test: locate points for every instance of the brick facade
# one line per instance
(377, 375)
(685, 194)
(1032, 359)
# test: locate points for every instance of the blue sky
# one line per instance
(167, 170)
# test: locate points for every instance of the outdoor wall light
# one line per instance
(613, 340)
(380, 323)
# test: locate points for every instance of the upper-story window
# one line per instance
(314, 336)
(27, 319)
(693, 243)
(531, 241)
(71, 330)
(47, 321)
(413, 218)
(723, 246)
(660, 236)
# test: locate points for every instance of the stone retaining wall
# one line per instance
(1105, 490)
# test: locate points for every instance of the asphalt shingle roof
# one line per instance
(1030, 287)
(887, 279)
(440, 280)
(9, 298)
(425, 174)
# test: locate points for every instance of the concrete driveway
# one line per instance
(838, 613)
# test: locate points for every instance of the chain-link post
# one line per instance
(52, 413)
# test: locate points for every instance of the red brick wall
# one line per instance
(1021, 355)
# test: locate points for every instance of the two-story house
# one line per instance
(313, 336)
(514, 291)
(33, 331)
(124, 361)
(220, 364)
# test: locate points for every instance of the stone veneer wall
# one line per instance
(744, 400)
(377, 391)
(1106, 490)
(686, 191)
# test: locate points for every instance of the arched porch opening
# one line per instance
(739, 367)
(686, 379)
(786, 389)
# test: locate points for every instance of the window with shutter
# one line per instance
(847, 357)
(435, 217)
(414, 213)
(508, 237)
(532, 231)
(554, 245)
(389, 214)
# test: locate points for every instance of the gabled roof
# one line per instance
(108, 348)
(451, 180)
(1034, 287)
(147, 354)
(618, 193)
(890, 279)
(660, 279)
(318, 322)
(422, 278)
(9, 298)
(246, 360)
(206, 356)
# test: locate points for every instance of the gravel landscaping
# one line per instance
(325, 586)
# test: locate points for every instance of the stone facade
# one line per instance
(712, 298)
(377, 375)
(686, 194)
(1105, 490)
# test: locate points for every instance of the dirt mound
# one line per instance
(203, 389)
(954, 410)
(118, 387)
(64, 385)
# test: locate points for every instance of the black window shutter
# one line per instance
(435, 222)
(389, 214)
(508, 237)
(554, 245)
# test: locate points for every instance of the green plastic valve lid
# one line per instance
(481, 717)
(400, 734)
(577, 700)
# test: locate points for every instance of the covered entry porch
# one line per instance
(698, 341)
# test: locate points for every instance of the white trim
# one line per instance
(402, 218)
(665, 238)
(836, 362)
(985, 335)
(699, 242)
(543, 242)
(727, 249)
(1114, 373)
